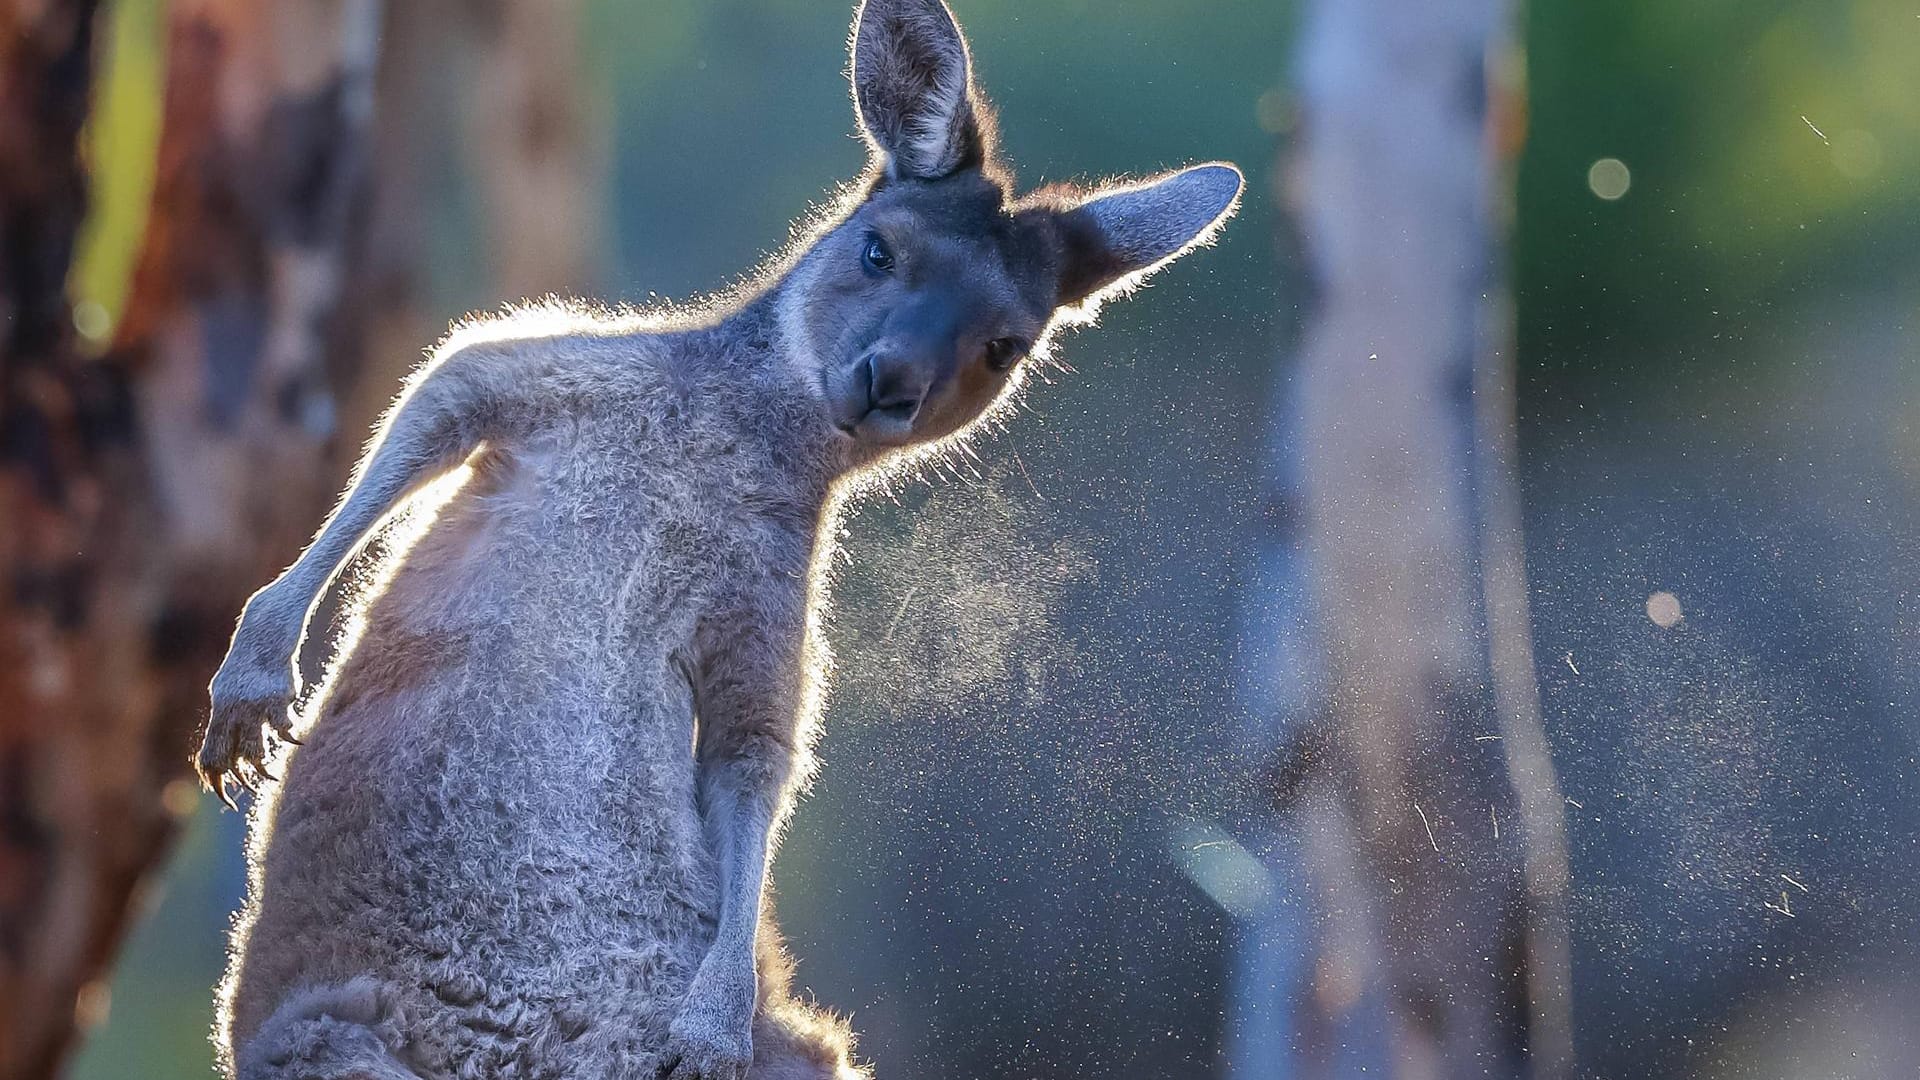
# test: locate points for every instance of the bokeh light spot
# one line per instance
(1609, 178)
(91, 1005)
(1856, 154)
(1229, 874)
(91, 320)
(180, 797)
(1664, 609)
(1274, 112)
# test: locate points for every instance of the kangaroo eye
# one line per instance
(875, 255)
(1003, 353)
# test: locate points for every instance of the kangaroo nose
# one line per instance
(894, 384)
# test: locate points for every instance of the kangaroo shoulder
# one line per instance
(547, 358)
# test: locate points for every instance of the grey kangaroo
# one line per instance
(524, 825)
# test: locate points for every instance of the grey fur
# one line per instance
(527, 831)
(1149, 223)
(913, 88)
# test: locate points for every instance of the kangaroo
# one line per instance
(524, 826)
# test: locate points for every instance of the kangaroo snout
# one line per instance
(896, 383)
(882, 394)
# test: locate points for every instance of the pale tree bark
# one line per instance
(533, 131)
(505, 85)
(1413, 776)
(148, 490)
(1509, 624)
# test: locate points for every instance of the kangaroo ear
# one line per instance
(1121, 233)
(913, 88)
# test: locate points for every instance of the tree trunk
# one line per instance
(1419, 792)
(532, 132)
(146, 492)
(57, 420)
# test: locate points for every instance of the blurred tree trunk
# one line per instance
(146, 492)
(1413, 776)
(56, 421)
(531, 127)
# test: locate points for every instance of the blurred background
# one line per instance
(1094, 802)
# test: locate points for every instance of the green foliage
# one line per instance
(120, 139)
(1771, 146)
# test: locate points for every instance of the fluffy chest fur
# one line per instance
(507, 751)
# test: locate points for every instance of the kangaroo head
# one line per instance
(910, 318)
